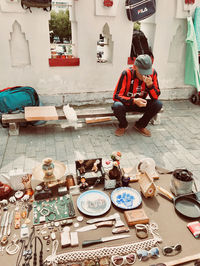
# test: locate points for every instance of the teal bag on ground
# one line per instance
(16, 98)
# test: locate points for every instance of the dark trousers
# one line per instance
(150, 110)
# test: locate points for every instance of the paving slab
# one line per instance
(174, 143)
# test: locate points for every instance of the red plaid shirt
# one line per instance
(129, 87)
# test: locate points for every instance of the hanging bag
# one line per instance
(139, 45)
(140, 9)
(45, 4)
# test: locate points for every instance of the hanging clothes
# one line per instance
(192, 76)
(197, 25)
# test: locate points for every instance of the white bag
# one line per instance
(15, 178)
(71, 117)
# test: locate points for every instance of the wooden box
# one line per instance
(137, 216)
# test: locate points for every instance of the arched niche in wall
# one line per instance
(148, 27)
(63, 42)
(177, 46)
(19, 47)
(105, 46)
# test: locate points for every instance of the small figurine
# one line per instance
(26, 181)
(116, 156)
(83, 185)
(85, 165)
(48, 168)
(115, 172)
(95, 166)
(82, 167)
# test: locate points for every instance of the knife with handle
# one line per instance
(3, 223)
(95, 220)
(87, 243)
(95, 226)
(10, 222)
(6, 224)
(120, 230)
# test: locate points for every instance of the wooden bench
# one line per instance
(91, 115)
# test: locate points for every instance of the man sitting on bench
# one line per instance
(132, 88)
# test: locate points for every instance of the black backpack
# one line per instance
(45, 4)
(139, 45)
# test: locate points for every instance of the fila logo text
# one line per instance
(143, 10)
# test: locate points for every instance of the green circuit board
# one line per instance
(53, 209)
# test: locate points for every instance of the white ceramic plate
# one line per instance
(126, 198)
(93, 202)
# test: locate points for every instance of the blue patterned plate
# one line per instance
(126, 198)
(93, 202)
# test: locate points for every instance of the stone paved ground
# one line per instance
(174, 143)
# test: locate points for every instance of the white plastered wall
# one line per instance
(166, 31)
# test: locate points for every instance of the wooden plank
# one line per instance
(20, 117)
(93, 112)
(34, 113)
(61, 115)
(9, 118)
(97, 120)
(81, 113)
(98, 112)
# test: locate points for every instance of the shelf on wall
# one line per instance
(55, 62)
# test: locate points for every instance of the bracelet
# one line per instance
(13, 251)
(53, 218)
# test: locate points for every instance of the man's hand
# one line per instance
(148, 80)
(140, 102)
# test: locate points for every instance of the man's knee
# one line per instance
(118, 107)
(157, 105)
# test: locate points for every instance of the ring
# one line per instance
(43, 210)
(50, 214)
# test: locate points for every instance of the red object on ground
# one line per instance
(189, 2)
(4, 190)
(194, 227)
(108, 3)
